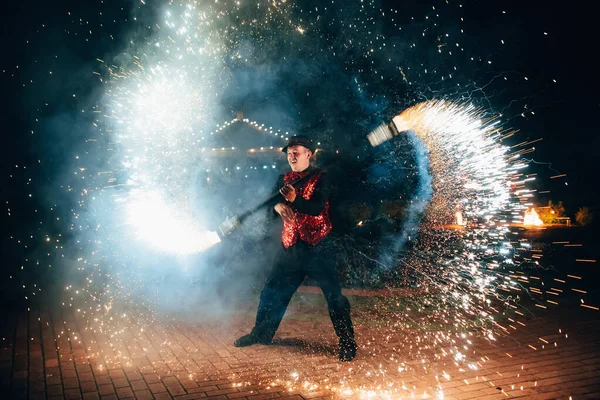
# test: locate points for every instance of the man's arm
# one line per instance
(317, 201)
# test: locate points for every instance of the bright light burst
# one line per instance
(468, 272)
(470, 169)
(163, 227)
(162, 100)
(159, 107)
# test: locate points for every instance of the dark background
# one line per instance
(40, 36)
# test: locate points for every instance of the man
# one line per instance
(305, 214)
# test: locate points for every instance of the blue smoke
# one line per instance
(418, 203)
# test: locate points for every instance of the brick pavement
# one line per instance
(50, 352)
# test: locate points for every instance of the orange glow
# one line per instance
(532, 218)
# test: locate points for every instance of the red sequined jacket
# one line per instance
(311, 221)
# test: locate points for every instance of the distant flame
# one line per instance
(459, 219)
(532, 218)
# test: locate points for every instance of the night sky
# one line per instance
(543, 42)
(530, 63)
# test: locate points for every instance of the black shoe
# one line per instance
(249, 340)
(347, 350)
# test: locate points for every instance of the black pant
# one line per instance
(291, 266)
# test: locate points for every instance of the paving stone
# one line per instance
(196, 360)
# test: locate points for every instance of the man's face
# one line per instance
(298, 157)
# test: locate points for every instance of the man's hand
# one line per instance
(286, 212)
(289, 192)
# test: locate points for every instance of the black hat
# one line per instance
(300, 140)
